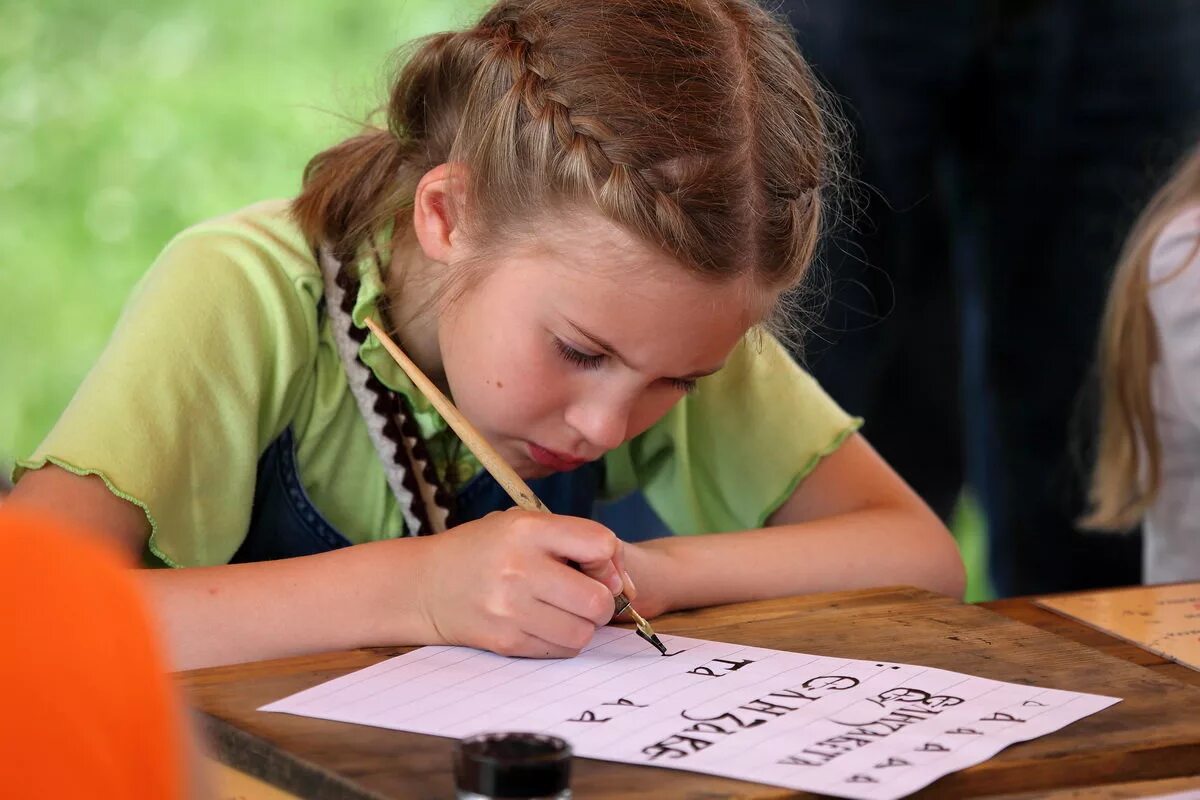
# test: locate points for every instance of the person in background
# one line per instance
(1005, 145)
(1147, 466)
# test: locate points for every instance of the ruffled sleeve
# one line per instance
(730, 454)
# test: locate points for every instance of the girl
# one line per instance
(575, 216)
(1148, 459)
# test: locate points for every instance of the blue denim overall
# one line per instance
(284, 523)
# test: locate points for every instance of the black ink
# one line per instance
(767, 707)
(933, 747)
(708, 727)
(759, 711)
(966, 731)
(834, 683)
(893, 762)
(797, 761)
(1000, 716)
(623, 702)
(904, 694)
(1033, 703)
(727, 716)
(894, 720)
(711, 671)
(861, 779)
(588, 716)
(792, 694)
(675, 746)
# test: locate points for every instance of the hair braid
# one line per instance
(693, 124)
(583, 150)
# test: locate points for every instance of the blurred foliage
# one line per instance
(122, 123)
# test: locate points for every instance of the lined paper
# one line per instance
(859, 729)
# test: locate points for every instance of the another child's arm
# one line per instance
(499, 583)
(852, 523)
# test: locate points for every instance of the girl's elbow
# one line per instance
(945, 572)
(950, 576)
(954, 577)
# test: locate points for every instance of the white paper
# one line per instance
(858, 729)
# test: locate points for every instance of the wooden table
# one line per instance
(1149, 743)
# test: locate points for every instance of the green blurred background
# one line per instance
(121, 125)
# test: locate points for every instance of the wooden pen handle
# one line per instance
(492, 461)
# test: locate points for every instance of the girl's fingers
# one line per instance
(564, 631)
(574, 539)
(606, 573)
(626, 581)
(538, 648)
(574, 593)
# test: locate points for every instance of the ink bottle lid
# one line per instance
(513, 765)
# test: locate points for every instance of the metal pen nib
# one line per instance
(643, 627)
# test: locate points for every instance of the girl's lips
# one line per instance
(559, 462)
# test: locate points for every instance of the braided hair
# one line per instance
(694, 124)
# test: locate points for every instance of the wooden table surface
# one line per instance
(1147, 744)
(1024, 610)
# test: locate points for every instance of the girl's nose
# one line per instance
(603, 423)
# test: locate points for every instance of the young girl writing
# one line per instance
(1148, 459)
(578, 221)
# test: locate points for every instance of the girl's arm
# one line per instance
(231, 613)
(499, 583)
(852, 523)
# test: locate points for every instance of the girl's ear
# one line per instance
(435, 209)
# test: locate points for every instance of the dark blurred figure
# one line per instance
(1006, 147)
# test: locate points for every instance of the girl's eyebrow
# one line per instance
(608, 349)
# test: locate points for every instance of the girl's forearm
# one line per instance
(273, 609)
(860, 549)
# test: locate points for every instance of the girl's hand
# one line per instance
(503, 583)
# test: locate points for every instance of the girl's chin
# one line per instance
(534, 471)
(525, 466)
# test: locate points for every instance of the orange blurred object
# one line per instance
(89, 708)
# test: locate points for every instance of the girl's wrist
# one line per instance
(652, 569)
(388, 586)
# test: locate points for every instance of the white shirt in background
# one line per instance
(1172, 524)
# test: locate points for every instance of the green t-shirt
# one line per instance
(221, 347)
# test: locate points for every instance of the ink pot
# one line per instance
(529, 766)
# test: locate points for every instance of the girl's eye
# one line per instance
(579, 359)
(687, 386)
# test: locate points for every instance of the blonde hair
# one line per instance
(1127, 471)
(694, 124)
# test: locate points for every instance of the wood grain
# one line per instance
(1024, 610)
(1113, 791)
(1153, 734)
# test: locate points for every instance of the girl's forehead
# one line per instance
(590, 250)
(594, 280)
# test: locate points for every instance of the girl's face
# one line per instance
(560, 352)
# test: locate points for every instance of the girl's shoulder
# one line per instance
(262, 235)
(244, 267)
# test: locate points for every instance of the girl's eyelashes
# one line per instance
(594, 360)
(577, 357)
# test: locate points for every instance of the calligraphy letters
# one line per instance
(912, 706)
(707, 731)
(592, 716)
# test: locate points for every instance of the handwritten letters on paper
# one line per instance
(858, 729)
